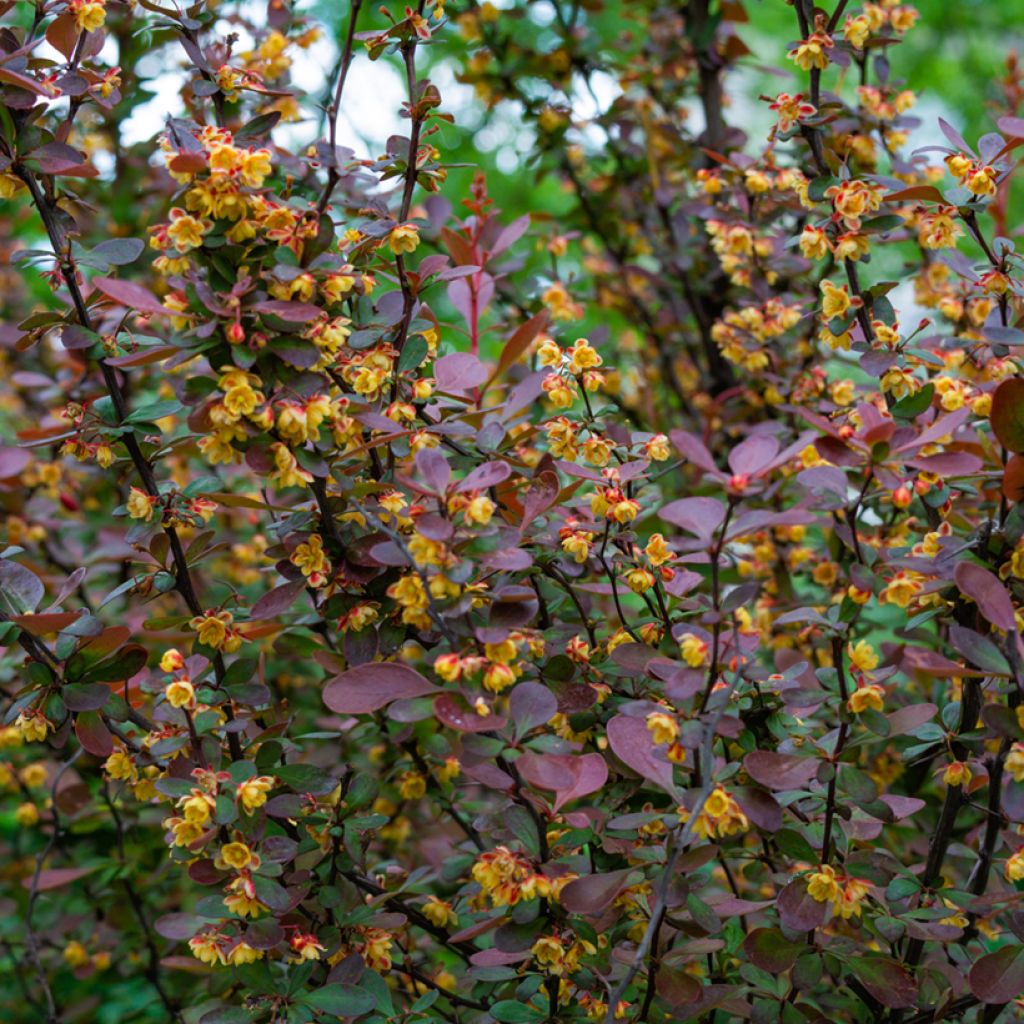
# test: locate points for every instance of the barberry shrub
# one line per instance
(413, 611)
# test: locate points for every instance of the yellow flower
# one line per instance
(412, 785)
(214, 629)
(186, 231)
(657, 448)
(305, 947)
(957, 773)
(1014, 869)
(243, 953)
(236, 855)
(810, 53)
(33, 727)
(89, 14)
(694, 650)
(10, 186)
(439, 912)
(657, 551)
(253, 792)
(720, 816)
(256, 167)
(180, 693)
(662, 727)
(1015, 762)
(140, 505)
(849, 901)
(120, 766)
(311, 559)
(814, 243)
(403, 238)
(836, 300)
(75, 954)
(208, 948)
(27, 815)
(822, 884)
(862, 655)
(865, 697)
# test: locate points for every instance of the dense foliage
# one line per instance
(416, 612)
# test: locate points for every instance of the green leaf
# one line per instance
(913, 405)
(306, 778)
(341, 1000)
(414, 352)
(511, 1011)
(155, 411)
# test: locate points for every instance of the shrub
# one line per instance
(418, 612)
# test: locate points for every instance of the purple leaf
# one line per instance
(368, 688)
(278, 601)
(799, 910)
(998, 977)
(593, 894)
(632, 744)
(780, 771)
(488, 475)
(530, 705)
(988, 593)
(753, 454)
(459, 372)
(434, 469)
(700, 516)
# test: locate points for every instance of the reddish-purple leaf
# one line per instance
(520, 341)
(632, 744)
(753, 454)
(545, 771)
(988, 593)
(695, 450)
(1007, 415)
(93, 734)
(129, 294)
(780, 771)
(543, 493)
(488, 475)
(590, 772)
(954, 137)
(179, 927)
(293, 312)
(593, 894)
(699, 516)
(13, 461)
(454, 711)
(433, 467)
(459, 372)
(56, 878)
(770, 950)
(799, 910)
(999, 977)
(277, 601)
(530, 705)
(888, 981)
(368, 688)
